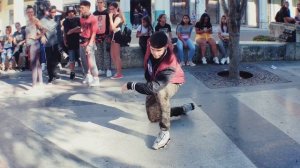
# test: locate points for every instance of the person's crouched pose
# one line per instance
(164, 77)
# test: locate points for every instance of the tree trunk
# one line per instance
(234, 11)
(234, 55)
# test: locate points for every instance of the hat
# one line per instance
(70, 9)
(158, 39)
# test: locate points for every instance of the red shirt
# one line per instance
(88, 26)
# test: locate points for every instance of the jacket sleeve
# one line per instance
(152, 87)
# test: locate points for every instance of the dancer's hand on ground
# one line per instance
(124, 88)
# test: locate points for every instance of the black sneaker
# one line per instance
(72, 75)
(188, 107)
(50, 81)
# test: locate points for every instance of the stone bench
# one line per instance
(250, 52)
(276, 29)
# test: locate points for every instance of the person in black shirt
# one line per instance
(71, 39)
(162, 25)
(19, 41)
(102, 55)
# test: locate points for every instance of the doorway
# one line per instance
(138, 10)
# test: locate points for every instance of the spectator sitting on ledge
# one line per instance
(297, 16)
(284, 14)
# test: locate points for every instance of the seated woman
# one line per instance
(162, 25)
(7, 49)
(224, 39)
(184, 31)
(297, 17)
(144, 31)
(203, 36)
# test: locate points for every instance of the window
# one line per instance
(10, 2)
(11, 17)
(178, 9)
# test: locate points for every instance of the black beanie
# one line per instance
(158, 39)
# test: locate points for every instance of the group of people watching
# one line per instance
(93, 40)
(203, 29)
(138, 13)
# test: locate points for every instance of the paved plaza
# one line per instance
(68, 125)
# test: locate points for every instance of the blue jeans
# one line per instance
(223, 46)
(73, 55)
(7, 53)
(190, 46)
(43, 53)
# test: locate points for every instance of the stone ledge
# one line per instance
(251, 51)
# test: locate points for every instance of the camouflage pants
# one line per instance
(86, 67)
(102, 56)
(158, 106)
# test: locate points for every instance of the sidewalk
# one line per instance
(71, 125)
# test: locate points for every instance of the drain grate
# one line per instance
(210, 76)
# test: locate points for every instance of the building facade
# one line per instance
(259, 13)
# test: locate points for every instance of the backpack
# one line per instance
(126, 36)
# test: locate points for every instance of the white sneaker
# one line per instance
(43, 66)
(95, 82)
(88, 79)
(162, 140)
(204, 60)
(228, 60)
(76, 64)
(68, 64)
(216, 60)
(100, 72)
(223, 61)
(182, 63)
(108, 73)
(190, 63)
(59, 66)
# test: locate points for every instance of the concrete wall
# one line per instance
(250, 52)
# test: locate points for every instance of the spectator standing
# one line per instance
(71, 39)
(89, 28)
(51, 45)
(103, 59)
(184, 31)
(33, 35)
(116, 19)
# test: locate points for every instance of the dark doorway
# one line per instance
(178, 9)
(139, 9)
